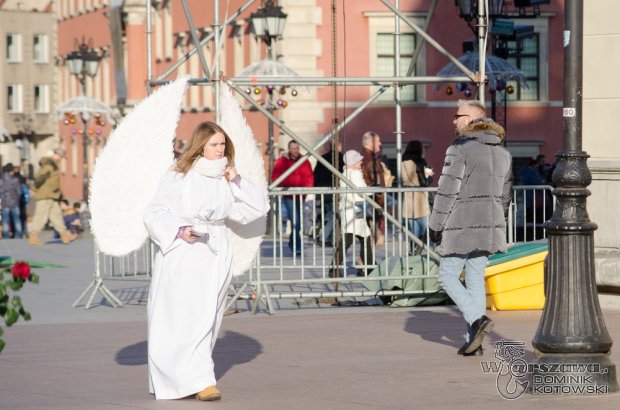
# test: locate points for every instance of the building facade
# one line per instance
(601, 104)
(27, 75)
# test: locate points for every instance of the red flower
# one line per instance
(21, 270)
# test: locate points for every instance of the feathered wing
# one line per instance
(246, 239)
(128, 169)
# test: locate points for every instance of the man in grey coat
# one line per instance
(468, 222)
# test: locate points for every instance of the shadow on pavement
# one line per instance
(233, 349)
(230, 350)
(450, 330)
(437, 327)
(133, 355)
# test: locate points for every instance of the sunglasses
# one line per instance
(457, 116)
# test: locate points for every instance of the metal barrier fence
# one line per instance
(136, 265)
(394, 262)
(390, 262)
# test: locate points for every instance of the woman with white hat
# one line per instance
(353, 215)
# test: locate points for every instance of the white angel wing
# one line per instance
(246, 239)
(128, 169)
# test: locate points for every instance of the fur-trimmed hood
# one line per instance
(485, 130)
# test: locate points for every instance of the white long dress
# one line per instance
(190, 281)
(348, 211)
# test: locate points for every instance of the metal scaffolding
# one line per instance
(212, 78)
(396, 81)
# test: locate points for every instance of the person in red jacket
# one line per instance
(301, 177)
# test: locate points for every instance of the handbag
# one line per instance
(359, 210)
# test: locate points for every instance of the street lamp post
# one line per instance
(572, 329)
(501, 31)
(268, 24)
(84, 62)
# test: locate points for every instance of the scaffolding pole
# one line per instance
(325, 81)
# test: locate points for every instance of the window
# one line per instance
(385, 63)
(531, 56)
(41, 98)
(525, 55)
(13, 48)
(14, 98)
(381, 53)
(40, 48)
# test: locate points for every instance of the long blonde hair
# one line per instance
(200, 136)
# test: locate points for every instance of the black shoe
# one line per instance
(477, 352)
(462, 349)
(480, 328)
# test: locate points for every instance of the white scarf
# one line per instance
(213, 168)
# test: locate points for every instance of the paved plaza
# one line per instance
(308, 357)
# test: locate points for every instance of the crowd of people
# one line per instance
(370, 171)
(21, 218)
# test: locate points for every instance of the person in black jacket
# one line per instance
(323, 178)
(10, 193)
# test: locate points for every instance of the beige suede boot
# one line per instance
(67, 237)
(211, 393)
(33, 239)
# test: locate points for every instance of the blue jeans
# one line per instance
(471, 298)
(7, 213)
(293, 210)
(418, 226)
(328, 225)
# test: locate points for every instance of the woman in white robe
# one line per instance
(192, 266)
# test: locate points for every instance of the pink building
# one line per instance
(364, 48)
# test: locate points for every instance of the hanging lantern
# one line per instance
(449, 90)
(261, 101)
(66, 122)
(101, 123)
(73, 130)
(98, 131)
(280, 102)
(294, 92)
(284, 104)
(467, 92)
(81, 132)
(90, 132)
(97, 115)
(72, 120)
(460, 86)
(282, 90)
(248, 91)
(510, 89)
(257, 91)
(270, 89)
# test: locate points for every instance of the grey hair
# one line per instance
(474, 104)
(368, 137)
